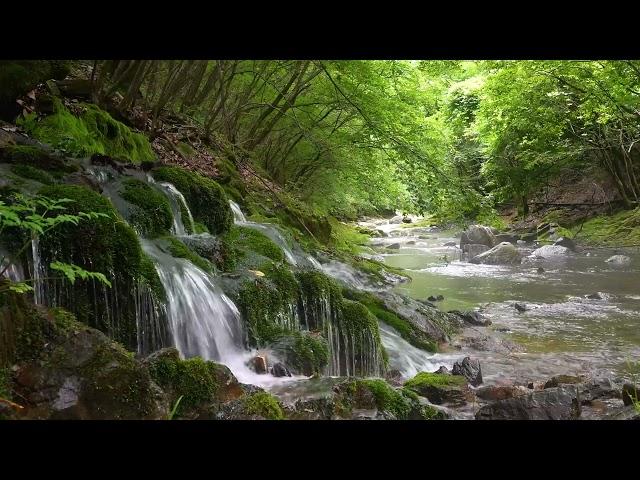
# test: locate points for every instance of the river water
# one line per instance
(561, 332)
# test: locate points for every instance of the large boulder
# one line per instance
(558, 403)
(620, 260)
(550, 251)
(469, 369)
(504, 253)
(500, 392)
(441, 388)
(566, 242)
(630, 394)
(507, 237)
(478, 234)
(472, 318)
(471, 250)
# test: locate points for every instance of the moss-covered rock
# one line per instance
(66, 370)
(36, 157)
(265, 405)
(33, 173)
(107, 245)
(407, 330)
(268, 305)
(194, 383)
(303, 352)
(441, 388)
(93, 131)
(179, 250)
(151, 215)
(247, 246)
(207, 201)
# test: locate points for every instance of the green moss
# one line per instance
(405, 328)
(94, 131)
(426, 379)
(388, 398)
(194, 379)
(37, 158)
(361, 326)
(266, 304)
(152, 213)
(241, 242)
(180, 250)
(149, 277)
(107, 245)
(265, 405)
(33, 173)
(200, 228)
(621, 229)
(207, 200)
(186, 149)
(303, 352)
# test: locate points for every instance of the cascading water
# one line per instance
(177, 203)
(38, 273)
(238, 216)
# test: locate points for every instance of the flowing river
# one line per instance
(560, 332)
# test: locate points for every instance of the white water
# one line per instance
(238, 216)
(38, 273)
(176, 199)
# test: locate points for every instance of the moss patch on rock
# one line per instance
(151, 215)
(207, 201)
(243, 243)
(33, 173)
(92, 131)
(303, 352)
(404, 327)
(180, 250)
(28, 155)
(265, 405)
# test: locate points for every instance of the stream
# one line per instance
(561, 332)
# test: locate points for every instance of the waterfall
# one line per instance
(177, 203)
(238, 216)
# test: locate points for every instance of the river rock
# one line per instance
(521, 242)
(506, 237)
(566, 242)
(472, 318)
(629, 412)
(469, 369)
(473, 249)
(395, 220)
(521, 307)
(394, 246)
(621, 260)
(258, 364)
(443, 370)
(382, 233)
(406, 220)
(450, 244)
(500, 392)
(504, 253)
(599, 388)
(558, 403)
(411, 242)
(439, 388)
(280, 370)
(630, 394)
(550, 251)
(478, 234)
(562, 380)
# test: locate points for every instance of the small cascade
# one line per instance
(151, 322)
(406, 358)
(203, 320)
(11, 269)
(178, 205)
(238, 216)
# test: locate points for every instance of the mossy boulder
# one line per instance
(194, 382)
(207, 201)
(441, 388)
(255, 405)
(320, 299)
(303, 352)
(107, 245)
(90, 131)
(247, 246)
(63, 369)
(151, 214)
(179, 250)
(407, 330)
(36, 157)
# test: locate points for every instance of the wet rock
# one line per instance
(502, 254)
(629, 412)
(562, 380)
(521, 307)
(478, 234)
(472, 249)
(472, 318)
(596, 296)
(521, 242)
(500, 392)
(443, 370)
(550, 251)
(78, 178)
(280, 370)
(439, 388)
(394, 377)
(395, 220)
(411, 242)
(540, 270)
(436, 298)
(599, 388)
(529, 237)
(469, 369)
(566, 242)
(558, 403)
(506, 237)
(406, 220)
(382, 233)
(394, 246)
(621, 260)
(424, 237)
(630, 394)
(258, 364)
(450, 244)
